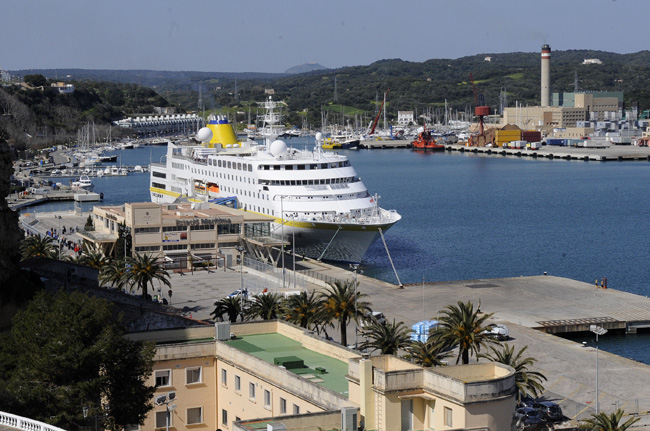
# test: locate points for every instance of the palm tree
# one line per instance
(38, 246)
(387, 337)
(427, 353)
(265, 306)
(114, 274)
(603, 422)
(461, 326)
(94, 259)
(341, 304)
(304, 309)
(231, 306)
(528, 382)
(143, 269)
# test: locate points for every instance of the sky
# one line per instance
(274, 35)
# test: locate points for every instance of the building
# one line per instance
(404, 118)
(178, 233)
(5, 76)
(162, 124)
(249, 375)
(63, 88)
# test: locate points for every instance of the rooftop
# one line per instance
(278, 349)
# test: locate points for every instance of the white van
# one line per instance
(377, 316)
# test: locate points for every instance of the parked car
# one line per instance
(239, 292)
(549, 410)
(500, 332)
(528, 416)
(527, 401)
(375, 316)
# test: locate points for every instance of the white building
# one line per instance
(404, 118)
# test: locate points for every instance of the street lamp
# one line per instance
(355, 267)
(240, 248)
(166, 400)
(598, 330)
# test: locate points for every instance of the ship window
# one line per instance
(250, 168)
(276, 167)
(219, 163)
(313, 166)
(323, 166)
(228, 165)
(301, 167)
(239, 166)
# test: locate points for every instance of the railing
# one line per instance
(18, 422)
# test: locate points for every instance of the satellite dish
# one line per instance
(160, 400)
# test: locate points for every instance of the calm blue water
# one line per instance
(467, 216)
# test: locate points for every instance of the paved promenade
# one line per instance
(520, 303)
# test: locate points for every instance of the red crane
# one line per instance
(374, 123)
(480, 111)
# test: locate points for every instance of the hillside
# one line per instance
(418, 86)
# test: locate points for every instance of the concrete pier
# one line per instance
(612, 153)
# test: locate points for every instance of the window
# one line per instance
(251, 391)
(163, 378)
(195, 415)
(224, 412)
(237, 383)
(283, 406)
(296, 409)
(448, 417)
(267, 398)
(193, 375)
(161, 419)
(224, 377)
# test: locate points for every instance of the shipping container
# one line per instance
(531, 136)
(556, 141)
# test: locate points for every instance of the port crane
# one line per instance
(374, 123)
(481, 111)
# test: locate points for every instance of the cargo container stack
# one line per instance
(504, 136)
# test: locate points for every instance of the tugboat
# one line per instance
(425, 141)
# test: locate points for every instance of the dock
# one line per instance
(617, 153)
(15, 201)
(385, 143)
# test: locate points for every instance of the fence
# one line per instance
(13, 421)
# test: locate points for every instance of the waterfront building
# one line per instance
(404, 118)
(249, 375)
(178, 233)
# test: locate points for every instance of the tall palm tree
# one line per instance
(387, 337)
(604, 422)
(38, 246)
(460, 325)
(230, 306)
(304, 309)
(341, 304)
(427, 353)
(143, 269)
(265, 306)
(528, 382)
(114, 274)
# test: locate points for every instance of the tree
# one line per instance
(604, 422)
(427, 353)
(123, 243)
(461, 326)
(304, 309)
(38, 246)
(230, 306)
(265, 306)
(68, 352)
(94, 259)
(528, 382)
(341, 304)
(143, 269)
(114, 274)
(387, 337)
(36, 80)
(89, 226)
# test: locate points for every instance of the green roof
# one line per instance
(318, 368)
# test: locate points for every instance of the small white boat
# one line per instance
(83, 183)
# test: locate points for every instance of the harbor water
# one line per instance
(468, 216)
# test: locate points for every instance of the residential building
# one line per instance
(404, 118)
(63, 88)
(249, 375)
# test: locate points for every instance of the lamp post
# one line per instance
(355, 267)
(282, 235)
(166, 400)
(293, 247)
(240, 248)
(598, 330)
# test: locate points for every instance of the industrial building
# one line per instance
(273, 374)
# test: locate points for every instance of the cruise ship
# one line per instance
(316, 198)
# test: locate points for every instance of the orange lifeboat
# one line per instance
(425, 141)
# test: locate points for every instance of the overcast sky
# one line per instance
(274, 35)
